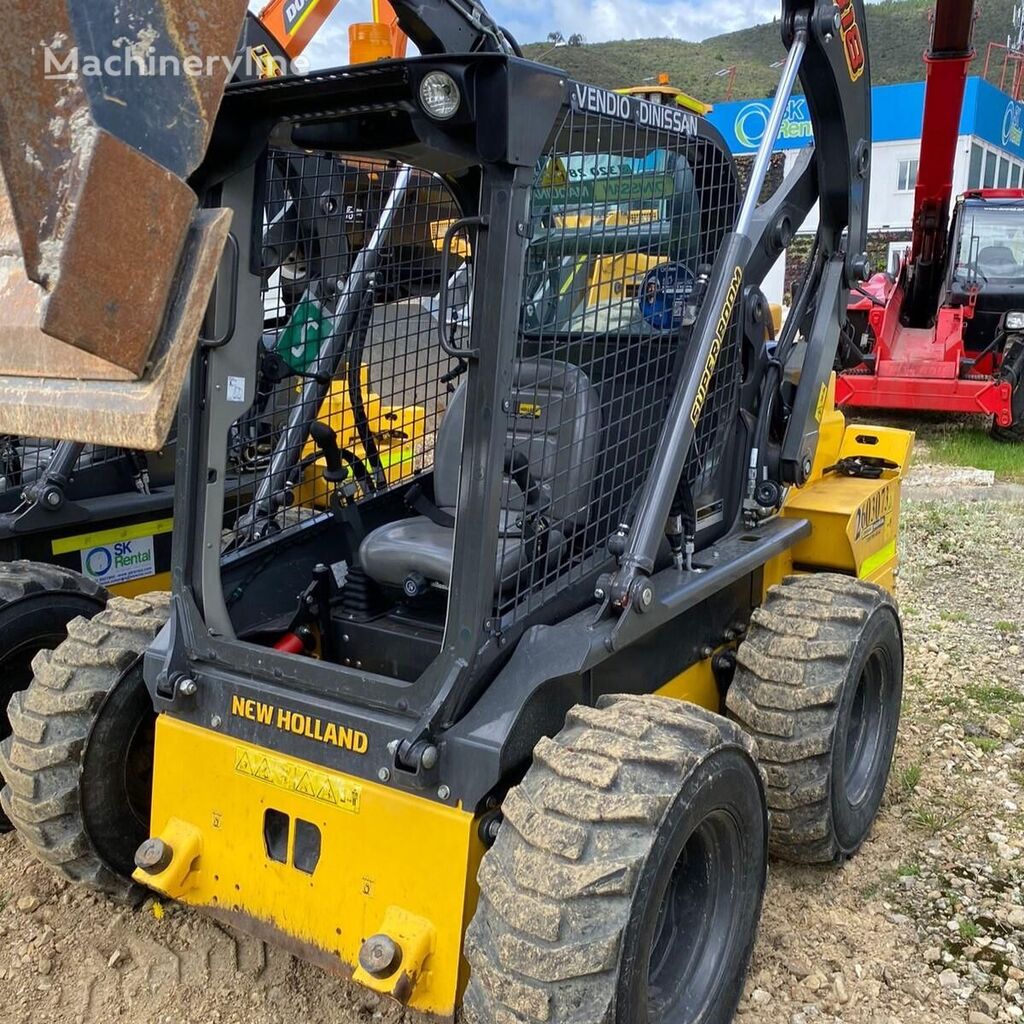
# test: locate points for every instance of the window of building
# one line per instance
(1004, 172)
(990, 169)
(894, 255)
(906, 175)
(1015, 176)
(974, 173)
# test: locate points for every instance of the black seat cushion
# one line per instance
(555, 424)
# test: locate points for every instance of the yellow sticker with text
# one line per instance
(819, 409)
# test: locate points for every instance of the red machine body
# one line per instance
(924, 343)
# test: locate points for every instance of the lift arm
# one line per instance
(947, 59)
(828, 51)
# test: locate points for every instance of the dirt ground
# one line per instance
(925, 926)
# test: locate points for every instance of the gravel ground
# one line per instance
(924, 926)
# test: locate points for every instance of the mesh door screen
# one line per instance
(387, 385)
(626, 221)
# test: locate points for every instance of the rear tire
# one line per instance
(78, 763)
(626, 881)
(818, 685)
(37, 601)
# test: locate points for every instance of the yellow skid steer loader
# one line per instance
(512, 728)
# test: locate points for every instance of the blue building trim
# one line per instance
(896, 114)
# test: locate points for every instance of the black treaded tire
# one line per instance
(626, 881)
(75, 764)
(37, 601)
(818, 685)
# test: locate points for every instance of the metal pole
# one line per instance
(648, 527)
(762, 161)
(307, 408)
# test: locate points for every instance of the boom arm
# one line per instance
(828, 49)
(947, 59)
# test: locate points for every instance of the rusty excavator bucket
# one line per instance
(106, 263)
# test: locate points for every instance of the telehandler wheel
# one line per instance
(78, 763)
(818, 685)
(626, 881)
(37, 601)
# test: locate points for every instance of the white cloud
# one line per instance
(598, 20)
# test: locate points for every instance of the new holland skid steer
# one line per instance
(591, 603)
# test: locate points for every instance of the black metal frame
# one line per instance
(486, 697)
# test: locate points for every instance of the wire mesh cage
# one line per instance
(365, 345)
(626, 222)
(97, 469)
(22, 461)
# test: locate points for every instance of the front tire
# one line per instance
(818, 685)
(626, 881)
(78, 762)
(37, 601)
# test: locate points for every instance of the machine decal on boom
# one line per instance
(296, 12)
(665, 117)
(873, 515)
(716, 346)
(297, 778)
(853, 44)
(299, 724)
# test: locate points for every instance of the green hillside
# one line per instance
(897, 37)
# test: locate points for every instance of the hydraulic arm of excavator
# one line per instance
(947, 59)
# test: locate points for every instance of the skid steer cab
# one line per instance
(516, 577)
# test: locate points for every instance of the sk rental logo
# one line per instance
(853, 43)
(119, 562)
(752, 122)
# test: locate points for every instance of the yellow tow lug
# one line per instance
(407, 941)
(185, 845)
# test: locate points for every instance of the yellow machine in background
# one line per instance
(660, 91)
(398, 433)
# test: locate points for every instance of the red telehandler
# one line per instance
(947, 334)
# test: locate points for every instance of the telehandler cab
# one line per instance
(498, 721)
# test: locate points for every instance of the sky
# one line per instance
(598, 20)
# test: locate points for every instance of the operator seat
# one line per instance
(997, 258)
(550, 453)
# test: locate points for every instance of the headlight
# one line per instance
(1015, 320)
(439, 95)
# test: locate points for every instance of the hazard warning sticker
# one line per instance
(325, 787)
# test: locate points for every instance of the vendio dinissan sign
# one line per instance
(669, 117)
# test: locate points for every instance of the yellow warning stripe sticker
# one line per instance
(83, 541)
(874, 562)
(302, 18)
